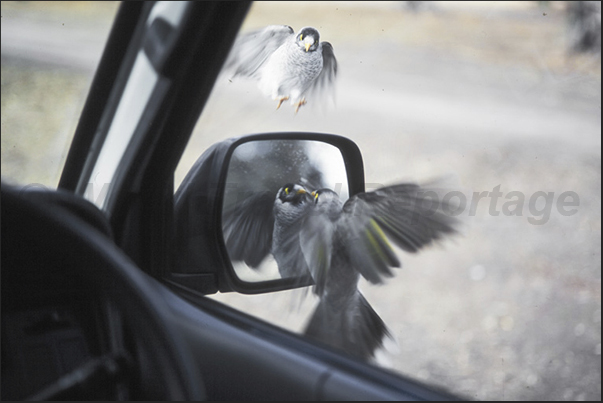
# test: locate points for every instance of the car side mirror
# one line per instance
(224, 207)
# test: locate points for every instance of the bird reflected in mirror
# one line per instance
(288, 66)
(315, 232)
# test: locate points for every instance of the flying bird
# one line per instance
(315, 232)
(287, 65)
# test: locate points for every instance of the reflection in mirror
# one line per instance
(259, 173)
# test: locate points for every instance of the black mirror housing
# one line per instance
(201, 260)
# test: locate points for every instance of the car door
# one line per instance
(158, 68)
(162, 76)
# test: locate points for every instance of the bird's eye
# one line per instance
(287, 191)
(315, 194)
(301, 37)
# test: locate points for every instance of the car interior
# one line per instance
(93, 306)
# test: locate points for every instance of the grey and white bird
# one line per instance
(336, 242)
(287, 65)
(250, 232)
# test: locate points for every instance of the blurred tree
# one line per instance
(417, 6)
(584, 20)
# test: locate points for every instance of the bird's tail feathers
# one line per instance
(354, 327)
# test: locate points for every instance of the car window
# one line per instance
(502, 100)
(50, 51)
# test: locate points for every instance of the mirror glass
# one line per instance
(257, 171)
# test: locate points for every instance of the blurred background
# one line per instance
(495, 96)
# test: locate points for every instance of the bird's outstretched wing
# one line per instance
(251, 50)
(324, 85)
(409, 216)
(247, 228)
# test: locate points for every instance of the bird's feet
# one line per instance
(280, 101)
(299, 104)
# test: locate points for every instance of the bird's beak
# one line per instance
(307, 45)
(301, 191)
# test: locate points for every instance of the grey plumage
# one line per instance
(291, 207)
(287, 66)
(339, 242)
(254, 219)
